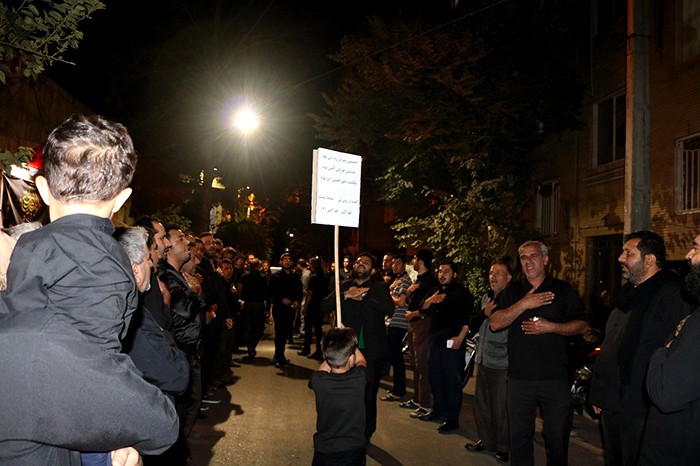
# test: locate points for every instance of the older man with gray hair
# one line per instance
(540, 311)
(152, 348)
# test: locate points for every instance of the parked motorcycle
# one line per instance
(584, 355)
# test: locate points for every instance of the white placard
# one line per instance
(335, 192)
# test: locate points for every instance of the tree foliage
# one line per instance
(36, 33)
(172, 215)
(8, 159)
(445, 117)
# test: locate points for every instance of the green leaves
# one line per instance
(36, 34)
(8, 159)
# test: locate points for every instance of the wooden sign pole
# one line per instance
(338, 315)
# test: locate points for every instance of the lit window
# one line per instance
(548, 208)
(609, 116)
(688, 174)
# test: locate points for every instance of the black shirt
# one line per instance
(340, 409)
(254, 286)
(540, 357)
(285, 285)
(76, 269)
(449, 316)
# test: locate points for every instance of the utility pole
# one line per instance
(637, 176)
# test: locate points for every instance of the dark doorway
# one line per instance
(605, 277)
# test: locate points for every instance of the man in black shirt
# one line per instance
(540, 311)
(285, 291)
(313, 316)
(419, 334)
(449, 308)
(253, 294)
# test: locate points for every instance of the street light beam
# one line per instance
(246, 120)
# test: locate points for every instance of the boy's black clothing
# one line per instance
(74, 267)
(340, 408)
(366, 318)
(70, 296)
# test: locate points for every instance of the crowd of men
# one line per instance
(141, 323)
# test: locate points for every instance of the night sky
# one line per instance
(173, 71)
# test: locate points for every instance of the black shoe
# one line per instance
(502, 457)
(282, 363)
(448, 426)
(430, 416)
(418, 413)
(478, 446)
(303, 353)
(410, 404)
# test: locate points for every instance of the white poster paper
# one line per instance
(335, 193)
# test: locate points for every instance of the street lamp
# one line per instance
(246, 120)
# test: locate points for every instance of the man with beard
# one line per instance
(449, 308)
(419, 335)
(646, 311)
(157, 298)
(672, 432)
(365, 304)
(188, 311)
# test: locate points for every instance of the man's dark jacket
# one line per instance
(366, 317)
(643, 317)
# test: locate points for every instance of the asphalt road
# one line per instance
(267, 417)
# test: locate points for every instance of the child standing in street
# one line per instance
(340, 385)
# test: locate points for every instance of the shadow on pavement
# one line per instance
(295, 372)
(382, 457)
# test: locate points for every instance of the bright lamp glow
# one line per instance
(246, 120)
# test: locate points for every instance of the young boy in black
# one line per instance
(339, 385)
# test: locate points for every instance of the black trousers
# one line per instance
(490, 412)
(284, 324)
(554, 400)
(254, 322)
(374, 376)
(395, 336)
(446, 367)
(622, 438)
(313, 325)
